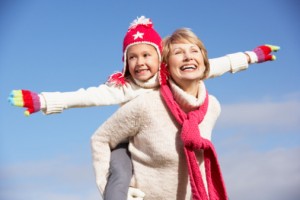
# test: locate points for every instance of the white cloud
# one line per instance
(265, 116)
(262, 175)
(57, 179)
(249, 175)
(258, 145)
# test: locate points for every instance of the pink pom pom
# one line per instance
(117, 79)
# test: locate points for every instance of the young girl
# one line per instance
(171, 158)
(142, 57)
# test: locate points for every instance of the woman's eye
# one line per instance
(177, 52)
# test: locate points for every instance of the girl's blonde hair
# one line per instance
(184, 35)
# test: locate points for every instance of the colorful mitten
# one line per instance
(263, 52)
(27, 99)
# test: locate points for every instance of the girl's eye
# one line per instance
(146, 55)
(131, 57)
(177, 52)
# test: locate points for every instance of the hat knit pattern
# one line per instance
(192, 140)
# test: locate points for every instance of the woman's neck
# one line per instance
(186, 101)
(191, 88)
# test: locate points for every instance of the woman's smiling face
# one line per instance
(186, 63)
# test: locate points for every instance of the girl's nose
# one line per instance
(141, 61)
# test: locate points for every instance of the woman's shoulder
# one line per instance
(142, 107)
(153, 93)
(214, 104)
(148, 97)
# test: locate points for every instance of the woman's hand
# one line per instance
(263, 52)
(27, 99)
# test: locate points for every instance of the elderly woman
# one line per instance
(169, 129)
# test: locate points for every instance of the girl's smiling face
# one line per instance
(143, 61)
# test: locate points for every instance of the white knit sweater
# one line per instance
(56, 102)
(156, 149)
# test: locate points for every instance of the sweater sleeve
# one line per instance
(230, 63)
(124, 123)
(103, 95)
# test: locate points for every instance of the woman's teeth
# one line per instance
(187, 67)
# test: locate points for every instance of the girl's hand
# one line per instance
(135, 194)
(27, 99)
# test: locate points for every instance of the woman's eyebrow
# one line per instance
(176, 48)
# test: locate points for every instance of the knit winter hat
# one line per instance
(140, 31)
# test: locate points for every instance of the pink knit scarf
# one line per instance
(192, 140)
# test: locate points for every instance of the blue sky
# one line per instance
(64, 45)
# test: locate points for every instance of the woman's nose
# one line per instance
(187, 56)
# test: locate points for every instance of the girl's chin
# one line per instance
(143, 79)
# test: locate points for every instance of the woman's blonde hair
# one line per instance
(184, 35)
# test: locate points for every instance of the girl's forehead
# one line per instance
(141, 47)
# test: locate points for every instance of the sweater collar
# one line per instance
(186, 101)
(151, 83)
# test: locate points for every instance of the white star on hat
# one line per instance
(138, 35)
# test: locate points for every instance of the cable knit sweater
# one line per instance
(160, 168)
(56, 102)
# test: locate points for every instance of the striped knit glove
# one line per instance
(27, 99)
(263, 52)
